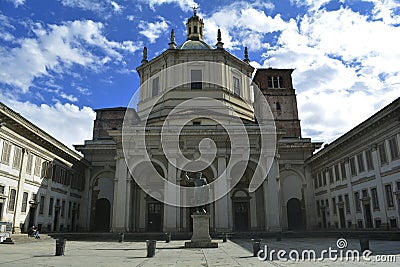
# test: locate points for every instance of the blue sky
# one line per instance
(60, 60)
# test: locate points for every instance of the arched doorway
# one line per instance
(294, 214)
(102, 215)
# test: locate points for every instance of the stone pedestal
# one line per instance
(201, 235)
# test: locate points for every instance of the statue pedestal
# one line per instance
(201, 235)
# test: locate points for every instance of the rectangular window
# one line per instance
(69, 209)
(51, 203)
(389, 195)
(62, 208)
(41, 204)
(38, 164)
(327, 205)
(155, 86)
(398, 186)
(337, 176)
(45, 165)
(276, 82)
(269, 80)
(347, 202)
(334, 205)
(24, 202)
(370, 163)
(360, 161)
(315, 183)
(364, 193)
(2, 189)
(29, 164)
(318, 209)
(394, 149)
(353, 170)
(375, 201)
(330, 172)
(343, 170)
(11, 200)
(17, 158)
(196, 79)
(319, 180)
(5, 156)
(357, 201)
(324, 175)
(382, 153)
(236, 86)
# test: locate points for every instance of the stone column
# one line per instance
(273, 199)
(311, 209)
(85, 202)
(379, 187)
(119, 202)
(171, 221)
(20, 191)
(222, 210)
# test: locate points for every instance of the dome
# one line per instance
(194, 45)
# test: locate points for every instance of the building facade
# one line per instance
(357, 177)
(283, 201)
(41, 180)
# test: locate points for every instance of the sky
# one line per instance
(60, 60)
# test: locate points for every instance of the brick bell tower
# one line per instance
(277, 87)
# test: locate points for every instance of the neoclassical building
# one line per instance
(42, 181)
(124, 195)
(357, 177)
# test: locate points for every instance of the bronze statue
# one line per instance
(198, 181)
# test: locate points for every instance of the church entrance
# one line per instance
(154, 217)
(241, 215)
(102, 215)
(294, 214)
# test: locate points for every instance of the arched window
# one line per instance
(195, 29)
(190, 30)
(278, 106)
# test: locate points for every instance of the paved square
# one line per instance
(231, 253)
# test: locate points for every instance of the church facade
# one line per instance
(117, 199)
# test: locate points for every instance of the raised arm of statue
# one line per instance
(188, 178)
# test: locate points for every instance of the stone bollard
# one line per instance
(121, 237)
(279, 236)
(151, 248)
(60, 246)
(256, 246)
(364, 243)
(224, 237)
(167, 237)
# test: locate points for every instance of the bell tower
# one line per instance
(277, 87)
(195, 27)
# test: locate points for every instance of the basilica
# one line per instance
(202, 111)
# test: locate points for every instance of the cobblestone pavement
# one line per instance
(232, 253)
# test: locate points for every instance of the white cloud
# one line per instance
(312, 4)
(17, 3)
(185, 5)
(66, 122)
(99, 6)
(71, 98)
(153, 30)
(242, 24)
(56, 48)
(386, 10)
(346, 68)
